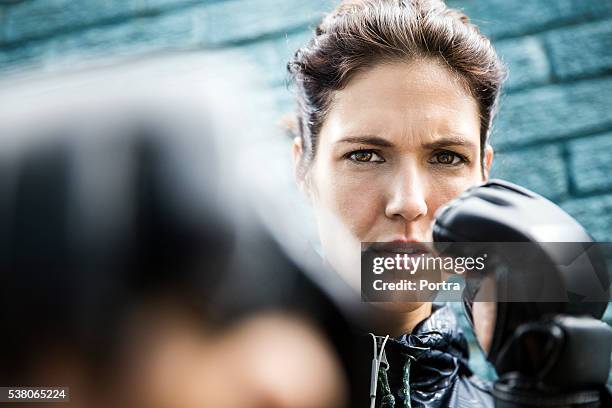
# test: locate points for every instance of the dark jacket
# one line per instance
(430, 365)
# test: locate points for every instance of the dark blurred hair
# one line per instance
(360, 34)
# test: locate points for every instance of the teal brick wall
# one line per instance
(554, 132)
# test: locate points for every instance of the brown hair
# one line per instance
(359, 34)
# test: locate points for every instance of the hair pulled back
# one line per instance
(360, 34)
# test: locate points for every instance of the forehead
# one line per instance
(422, 100)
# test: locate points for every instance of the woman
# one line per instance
(395, 102)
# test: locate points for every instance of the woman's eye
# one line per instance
(448, 158)
(365, 156)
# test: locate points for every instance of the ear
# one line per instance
(302, 178)
(298, 155)
(487, 162)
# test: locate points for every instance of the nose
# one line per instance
(406, 196)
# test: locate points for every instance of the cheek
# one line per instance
(355, 199)
(359, 204)
(445, 189)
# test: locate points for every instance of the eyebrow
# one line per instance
(437, 144)
(371, 140)
(450, 141)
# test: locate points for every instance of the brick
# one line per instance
(591, 163)
(503, 18)
(14, 60)
(238, 20)
(271, 56)
(526, 60)
(540, 169)
(37, 18)
(2, 23)
(171, 31)
(594, 214)
(554, 112)
(222, 21)
(580, 51)
(155, 5)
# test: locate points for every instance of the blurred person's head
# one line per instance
(395, 103)
(129, 273)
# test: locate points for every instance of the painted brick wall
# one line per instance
(554, 132)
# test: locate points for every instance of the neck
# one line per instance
(394, 322)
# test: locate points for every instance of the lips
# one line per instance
(399, 247)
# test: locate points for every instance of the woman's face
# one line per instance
(398, 142)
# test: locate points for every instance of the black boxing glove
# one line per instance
(501, 212)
